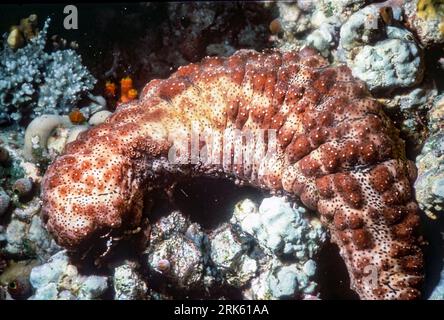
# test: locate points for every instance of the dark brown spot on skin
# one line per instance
(309, 199)
(397, 250)
(373, 214)
(326, 119)
(379, 292)
(309, 167)
(361, 239)
(344, 238)
(311, 96)
(154, 115)
(318, 136)
(298, 148)
(355, 222)
(188, 70)
(349, 189)
(354, 199)
(325, 212)
(340, 220)
(275, 181)
(292, 98)
(381, 179)
(330, 159)
(393, 214)
(275, 26)
(232, 110)
(172, 87)
(325, 81)
(407, 227)
(360, 267)
(349, 152)
(325, 186)
(409, 294)
(415, 281)
(368, 152)
(277, 121)
(385, 265)
(54, 181)
(285, 136)
(309, 121)
(76, 175)
(412, 263)
(392, 197)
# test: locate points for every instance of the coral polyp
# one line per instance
(335, 150)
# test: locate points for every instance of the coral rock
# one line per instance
(368, 45)
(330, 136)
(57, 279)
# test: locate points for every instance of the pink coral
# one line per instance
(337, 152)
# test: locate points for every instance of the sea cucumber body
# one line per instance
(336, 151)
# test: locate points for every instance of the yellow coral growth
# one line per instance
(429, 9)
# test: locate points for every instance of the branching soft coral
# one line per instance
(34, 82)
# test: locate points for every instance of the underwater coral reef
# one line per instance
(213, 150)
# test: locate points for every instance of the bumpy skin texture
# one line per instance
(337, 152)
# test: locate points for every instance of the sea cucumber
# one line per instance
(336, 151)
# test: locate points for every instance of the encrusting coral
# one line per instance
(335, 149)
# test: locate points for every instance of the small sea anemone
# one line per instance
(76, 116)
(22, 187)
